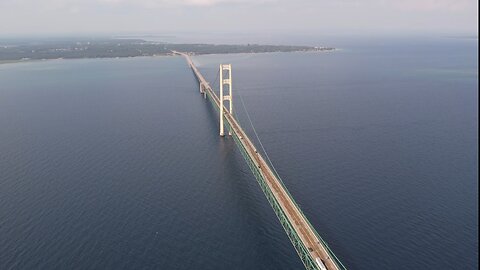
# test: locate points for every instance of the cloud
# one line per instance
(180, 3)
(244, 15)
(434, 5)
(418, 5)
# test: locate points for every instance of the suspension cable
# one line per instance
(214, 82)
(256, 135)
(278, 175)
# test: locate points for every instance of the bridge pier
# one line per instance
(223, 82)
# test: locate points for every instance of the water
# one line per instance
(117, 163)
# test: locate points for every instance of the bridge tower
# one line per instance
(223, 82)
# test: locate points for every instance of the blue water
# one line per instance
(117, 163)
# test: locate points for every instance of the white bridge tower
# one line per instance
(223, 82)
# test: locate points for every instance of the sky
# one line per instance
(51, 17)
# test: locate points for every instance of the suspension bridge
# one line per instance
(311, 248)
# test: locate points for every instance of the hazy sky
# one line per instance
(307, 16)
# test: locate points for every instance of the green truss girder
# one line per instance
(300, 248)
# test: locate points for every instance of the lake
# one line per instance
(117, 163)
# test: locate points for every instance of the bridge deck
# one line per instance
(309, 238)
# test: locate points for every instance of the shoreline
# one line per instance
(19, 61)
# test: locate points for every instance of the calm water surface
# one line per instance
(117, 163)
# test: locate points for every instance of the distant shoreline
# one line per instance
(2, 62)
(123, 48)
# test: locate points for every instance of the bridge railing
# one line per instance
(302, 251)
(300, 248)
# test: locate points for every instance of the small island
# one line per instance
(112, 48)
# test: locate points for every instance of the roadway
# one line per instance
(296, 218)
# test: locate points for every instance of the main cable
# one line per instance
(280, 178)
(216, 78)
(256, 135)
